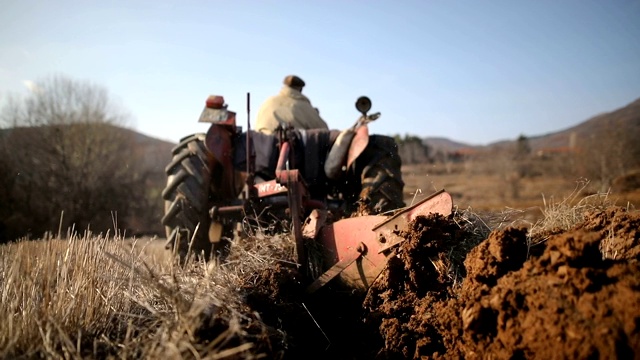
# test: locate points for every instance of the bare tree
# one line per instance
(65, 151)
(609, 153)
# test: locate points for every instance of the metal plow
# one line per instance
(357, 249)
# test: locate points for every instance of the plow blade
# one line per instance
(357, 249)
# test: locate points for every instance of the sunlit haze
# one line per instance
(470, 71)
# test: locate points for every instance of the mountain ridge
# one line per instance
(626, 118)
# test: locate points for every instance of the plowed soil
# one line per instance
(574, 294)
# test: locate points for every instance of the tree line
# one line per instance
(67, 162)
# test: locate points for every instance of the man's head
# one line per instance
(294, 82)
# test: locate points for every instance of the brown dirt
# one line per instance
(560, 301)
(442, 297)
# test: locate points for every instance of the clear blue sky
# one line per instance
(472, 71)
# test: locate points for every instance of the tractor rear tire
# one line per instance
(186, 196)
(381, 176)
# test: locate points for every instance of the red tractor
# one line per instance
(341, 189)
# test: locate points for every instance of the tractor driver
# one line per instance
(289, 107)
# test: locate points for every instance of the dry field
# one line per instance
(491, 281)
(107, 297)
(484, 191)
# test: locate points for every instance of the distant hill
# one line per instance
(437, 144)
(626, 118)
(155, 152)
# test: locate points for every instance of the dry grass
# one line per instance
(64, 299)
(486, 192)
(96, 297)
(565, 214)
(492, 192)
(106, 297)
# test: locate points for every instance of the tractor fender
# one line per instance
(358, 144)
(337, 154)
(348, 146)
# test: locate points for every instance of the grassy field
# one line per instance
(485, 191)
(110, 297)
(103, 296)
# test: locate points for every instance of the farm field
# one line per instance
(253, 180)
(505, 278)
(493, 192)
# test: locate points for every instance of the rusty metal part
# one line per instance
(336, 269)
(378, 234)
(439, 202)
(341, 241)
(358, 144)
